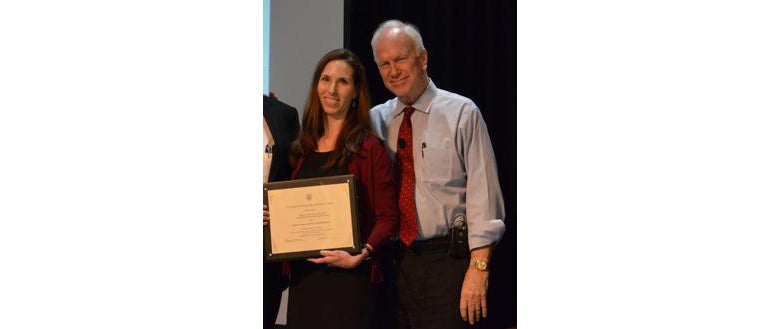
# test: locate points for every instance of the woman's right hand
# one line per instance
(340, 258)
(266, 215)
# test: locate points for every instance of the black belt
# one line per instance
(430, 245)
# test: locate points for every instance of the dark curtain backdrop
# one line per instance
(472, 52)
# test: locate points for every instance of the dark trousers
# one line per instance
(273, 285)
(428, 286)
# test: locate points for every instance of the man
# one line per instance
(280, 127)
(447, 170)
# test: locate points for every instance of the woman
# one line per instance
(339, 290)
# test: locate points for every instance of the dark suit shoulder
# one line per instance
(273, 107)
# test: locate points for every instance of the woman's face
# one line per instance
(336, 88)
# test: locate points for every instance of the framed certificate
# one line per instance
(309, 215)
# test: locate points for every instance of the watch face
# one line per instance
(481, 266)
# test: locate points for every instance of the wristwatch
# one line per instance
(479, 264)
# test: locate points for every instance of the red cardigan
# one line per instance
(377, 197)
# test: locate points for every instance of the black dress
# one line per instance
(324, 297)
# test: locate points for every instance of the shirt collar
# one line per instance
(421, 104)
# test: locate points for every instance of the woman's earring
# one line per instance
(354, 103)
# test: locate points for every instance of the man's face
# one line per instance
(401, 68)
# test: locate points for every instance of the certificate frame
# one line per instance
(307, 205)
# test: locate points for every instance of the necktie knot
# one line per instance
(408, 111)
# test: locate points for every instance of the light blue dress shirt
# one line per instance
(455, 169)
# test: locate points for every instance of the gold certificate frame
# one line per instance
(309, 215)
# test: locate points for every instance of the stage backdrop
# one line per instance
(301, 31)
(471, 51)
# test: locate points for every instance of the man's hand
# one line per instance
(473, 296)
(473, 293)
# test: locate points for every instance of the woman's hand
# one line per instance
(340, 258)
(266, 215)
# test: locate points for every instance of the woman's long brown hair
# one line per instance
(356, 124)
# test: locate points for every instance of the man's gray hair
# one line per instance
(407, 28)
